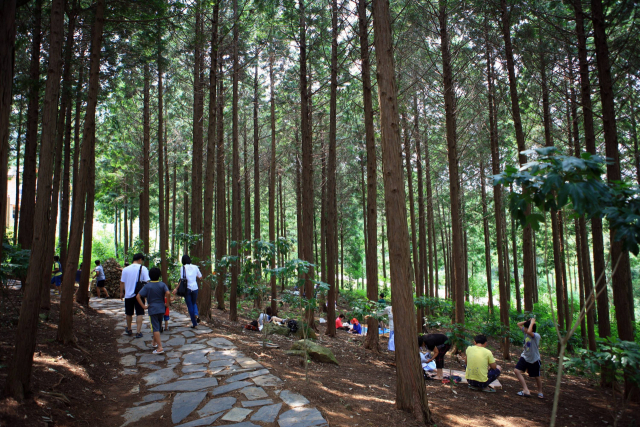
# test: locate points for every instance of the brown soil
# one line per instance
(359, 392)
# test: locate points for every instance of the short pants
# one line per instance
(100, 283)
(442, 350)
(56, 280)
(156, 321)
(492, 375)
(166, 317)
(132, 303)
(532, 368)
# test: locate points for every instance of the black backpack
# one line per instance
(293, 326)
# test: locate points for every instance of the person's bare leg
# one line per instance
(439, 374)
(138, 324)
(129, 319)
(539, 383)
(156, 339)
(523, 383)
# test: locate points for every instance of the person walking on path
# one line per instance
(131, 275)
(100, 279)
(530, 358)
(56, 274)
(192, 274)
(158, 299)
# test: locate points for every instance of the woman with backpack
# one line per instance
(190, 273)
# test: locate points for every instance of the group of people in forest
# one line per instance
(481, 367)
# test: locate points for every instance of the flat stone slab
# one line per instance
(267, 414)
(128, 360)
(148, 366)
(184, 404)
(201, 331)
(175, 341)
(173, 354)
(188, 385)
(253, 403)
(225, 354)
(161, 376)
(267, 381)
(196, 358)
(236, 414)
(248, 363)
(192, 376)
(127, 350)
(243, 424)
(136, 413)
(192, 347)
(150, 398)
(215, 406)
(151, 358)
(301, 417)
(221, 363)
(246, 375)
(230, 387)
(253, 393)
(194, 368)
(202, 421)
(221, 343)
(174, 361)
(128, 371)
(293, 399)
(188, 334)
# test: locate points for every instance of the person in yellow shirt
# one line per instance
(481, 366)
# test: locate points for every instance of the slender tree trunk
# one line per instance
(487, 238)
(272, 183)
(306, 179)
(412, 215)
(410, 391)
(363, 193)
(332, 208)
(126, 225)
(604, 325)
(458, 282)
(621, 281)
(563, 269)
(18, 381)
(221, 202)
(422, 232)
(164, 266)
(76, 127)
(146, 137)
(497, 196)
(198, 137)
(431, 240)
(256, 159)
(583, 324)
(204, 297)
(384, 255)
(235, 179)
(527, 234)
(85, 276)
(27, 209)
(16, 210)
(173, 212)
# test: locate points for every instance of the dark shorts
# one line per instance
(132, 303)
(100, 283)
(533, 369)
(442, 350)
(166, 318)
(56, 280)
(492, 375)
(156, 321)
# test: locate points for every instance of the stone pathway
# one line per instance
(205, 380)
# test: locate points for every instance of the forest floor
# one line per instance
(359, 392)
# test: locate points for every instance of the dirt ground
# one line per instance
(85, 385)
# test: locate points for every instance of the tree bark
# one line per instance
(256, 160)
(332, 208)
(527, 234)
(27, 208)
(422, 231)
(204, 303)
(16, 210)
(164, 266)
(18, 380)
(621, 280)
(306, 178)
(487, 238)
(236, 220)
(144, 201)
(272, 185)
(458, 282)
(198, 122)
(66, 336)
(410, 391)
(221, 202)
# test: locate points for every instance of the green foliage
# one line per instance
(620, 360)
(15, 261)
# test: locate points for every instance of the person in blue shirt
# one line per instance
(356, 328)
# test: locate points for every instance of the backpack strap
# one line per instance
(139, 273)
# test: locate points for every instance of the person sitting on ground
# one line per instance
(481, 366)
(530, 358)
(158, 299)
(438, 345)
(340, 325)
(267, 317)
(100, 279)
(56, 274)
(355, 327)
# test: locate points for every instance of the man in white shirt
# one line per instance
(130, 276)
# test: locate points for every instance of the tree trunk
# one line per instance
(414, 244)
(164, 266)
(410, 391)
(204, 303)
(306, 178)
(332, 208)
(256, 160)
(198, 121)
(422, 231)
(221, 202)
(527, 234)
(236, 219)
(487, 238)
(87, 263)
(458, 282)
(76, 127)
(27, 209)
(272, 184)
(16, 210)
(18, 381)
(621, 281)
(144, 201)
